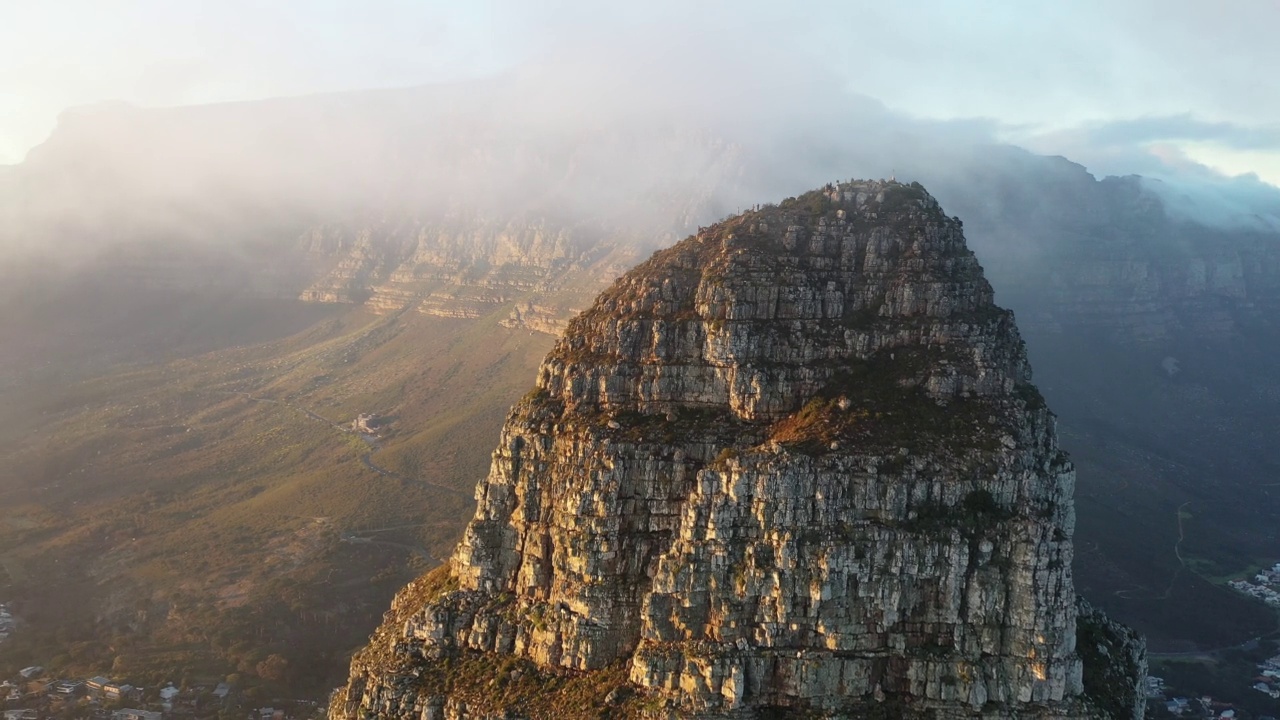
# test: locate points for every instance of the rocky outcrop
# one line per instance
(792, 464)
(1115, 663)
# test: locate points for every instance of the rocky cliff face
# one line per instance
(537, 272)
(456, 207)
(1069, 252)
(792, 464)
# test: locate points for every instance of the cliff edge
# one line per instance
(793, 465)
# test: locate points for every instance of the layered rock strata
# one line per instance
(792, 464)
(531, 271)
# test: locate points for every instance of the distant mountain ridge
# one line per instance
(465, 201)
(427, 201)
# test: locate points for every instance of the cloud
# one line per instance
(1184, 127)
(1169, 147)
(1214, 200)
(1042, 64)
(841, 89)
(1191, 185)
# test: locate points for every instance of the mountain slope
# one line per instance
(793, 463)
(189, 518)
(149, 236)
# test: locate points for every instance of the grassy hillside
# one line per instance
(193, 516)
(1177, 478)
(179, 495)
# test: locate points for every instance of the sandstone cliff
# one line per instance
(535, 272)
(793, 464)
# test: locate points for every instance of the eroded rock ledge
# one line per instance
(793, 464)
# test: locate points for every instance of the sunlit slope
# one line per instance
(203, 513)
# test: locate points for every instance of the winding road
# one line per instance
(367, 460)
(1182, 565)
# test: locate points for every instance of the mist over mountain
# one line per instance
(484, 214)
(330, 197)
(549, 140)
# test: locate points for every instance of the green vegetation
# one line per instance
(903, 198)
(875, 404)
(1225, 565)
(1225, 675)
(199, 516)
(723, 457)
(1108, 669)
(639, 427)
(1145, 443)
(815, 203)
(977, 513)
(1030, 396)
(489, 682)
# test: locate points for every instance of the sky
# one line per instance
(1121, 86)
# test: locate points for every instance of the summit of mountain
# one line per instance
(794, 463)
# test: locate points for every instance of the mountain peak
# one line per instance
(776, 303)
(793, 463)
